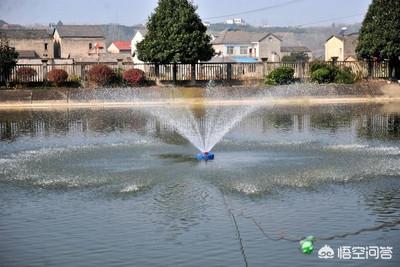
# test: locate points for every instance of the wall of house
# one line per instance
(74, 47)
(113, 49)
(38, 45)
(135, 40)
(270, 47)
(334, 48)
(223, 48)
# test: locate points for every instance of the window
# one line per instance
(243, 50)
(45, 46)
(90, 46)
(229, 50)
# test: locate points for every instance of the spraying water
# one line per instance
(204, 122)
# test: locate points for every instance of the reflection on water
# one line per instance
(366, 124)
(111, 187)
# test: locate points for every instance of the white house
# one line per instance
(235, 21)
(240, 44)
(137, 38)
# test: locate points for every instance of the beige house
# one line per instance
(31, 44)
(341, 47)
(78, 41)
(289, 50)
(119, 47)
(260, 46)
(137, 38)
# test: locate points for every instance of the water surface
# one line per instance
(120, 187)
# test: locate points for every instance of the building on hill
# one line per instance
(120, 47)
(30, 43)
(78, 41)
(262, 46)
(341, 47)
(290, 50)
(235, 21)
(137, 38)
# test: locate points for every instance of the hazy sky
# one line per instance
(130, 12)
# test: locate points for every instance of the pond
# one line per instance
(121, 187)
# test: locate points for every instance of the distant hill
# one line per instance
(2, 22)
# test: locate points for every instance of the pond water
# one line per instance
(119, 187)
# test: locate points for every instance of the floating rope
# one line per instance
(344, 235)
(229, 210)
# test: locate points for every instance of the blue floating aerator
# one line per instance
(205, 156)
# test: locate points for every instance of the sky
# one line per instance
(132, 12)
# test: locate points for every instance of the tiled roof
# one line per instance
(25, 33)
(80, 31)
(27, 54)
(122, 45)
(295, 49)
(240, 37)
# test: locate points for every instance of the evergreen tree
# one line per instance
(175, 35)
(380, 34)
(8, 59)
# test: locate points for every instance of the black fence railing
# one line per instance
(202, 71)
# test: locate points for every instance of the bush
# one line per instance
(323, 75)
(322, 72)
(101, 74)
(26, 74)
(281, 75)
(134, 76)
(8, 59)
(345, 76)
(57, 76)
(117, 79)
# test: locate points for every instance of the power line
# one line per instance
(256, 10)
(331, 19)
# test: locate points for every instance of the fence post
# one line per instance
(119, 63)
(193, 73)
(370, 68)
(44, 66)
(174, 70)
(83, 74)
(229, 71)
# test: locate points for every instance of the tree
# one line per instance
(175, 34)
(8, 59)
(296, 57)
(379, 35)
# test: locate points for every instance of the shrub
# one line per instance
(134, 76)
(323, 75)
(101, 74)
(345, 76)
(8, 58)
(57, 76)
(26, 74)
(281, 75)
(316, 65)
(117, 79)
(322, 72)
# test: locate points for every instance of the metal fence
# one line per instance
(201, 71)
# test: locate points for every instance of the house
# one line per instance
(235, 21)
(289, 50)
(119, 47)
(30, 43)
(262, 46)
(78, 41)
(137, 38)
(341, 47)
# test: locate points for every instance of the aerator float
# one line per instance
(205, 156)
